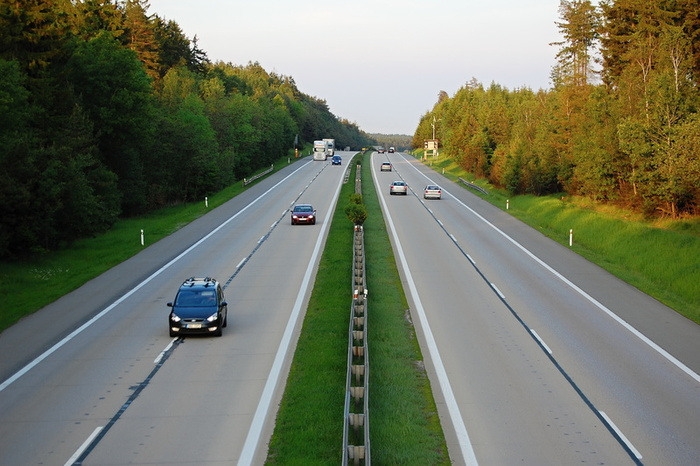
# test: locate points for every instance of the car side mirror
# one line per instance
(169, 304)
(223, 304)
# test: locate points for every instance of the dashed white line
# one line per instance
(544, 345)
(622, 436)
(162, 353)
(82, 447)
(495, 288)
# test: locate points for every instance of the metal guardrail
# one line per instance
(247, 181)
(356, 412)
(473, 186)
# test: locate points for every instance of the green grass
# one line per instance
(658, 257)
(47, 277)
(404, 426)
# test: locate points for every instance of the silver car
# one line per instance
(432, 191)
(398, 187)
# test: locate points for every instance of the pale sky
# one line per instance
(378, 63)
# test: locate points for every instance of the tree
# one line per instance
(579, 27)
(115, 91)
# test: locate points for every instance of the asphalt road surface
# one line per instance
(95, 379)
(536, 355)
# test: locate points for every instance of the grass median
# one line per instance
(404, 425)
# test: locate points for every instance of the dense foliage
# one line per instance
(627, 132)
(107, 111)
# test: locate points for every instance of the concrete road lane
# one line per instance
(122, 382)
(540, 373)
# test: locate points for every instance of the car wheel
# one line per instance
(314, 222)
(219, 331)
(225, 321)
(172, 334)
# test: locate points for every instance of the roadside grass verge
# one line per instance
(404, 425)
(658, 257)
(47, 277)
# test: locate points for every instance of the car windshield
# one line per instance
(196, 298)
(303, 208)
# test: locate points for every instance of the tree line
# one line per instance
(620, 123)
(109, 111)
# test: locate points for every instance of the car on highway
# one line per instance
(392, 150)
(380, 150)
(385, 167)
(336, 160)
(432, 191)
(303, 213)
(398, 187)
(199, 308)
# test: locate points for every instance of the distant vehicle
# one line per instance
(320, 150)
(330, 147)
(386, 167)
(398, 187)
(303, 213)
(432, 191)
(199, 307)
(380, 150)
(392, 150)
(336, 160)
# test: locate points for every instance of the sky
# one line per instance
(378, 63)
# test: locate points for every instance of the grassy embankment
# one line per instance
(660, 257)
(47, 277)
(404, 425)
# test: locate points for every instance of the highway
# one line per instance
(95, 379)
(537, 356)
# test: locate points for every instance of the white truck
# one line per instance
(331, 147)
(320, 150)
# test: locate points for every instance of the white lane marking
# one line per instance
(241, 262)
(622, 436)
(97, 317)
(541, 341)
(669, 357)
(253, 438)
(162, 353)
(498, 292)
(444, 381)
(82, 447)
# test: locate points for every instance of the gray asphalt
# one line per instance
(550, 359)
(121, 391)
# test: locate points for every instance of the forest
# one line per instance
(620, 124)
(108, 111)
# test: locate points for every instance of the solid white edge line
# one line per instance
(669, 357)
(441, 373)
(87, 324)
(253, 438)
(622, 436)
(82, 447)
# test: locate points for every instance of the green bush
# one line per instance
(357, 213)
